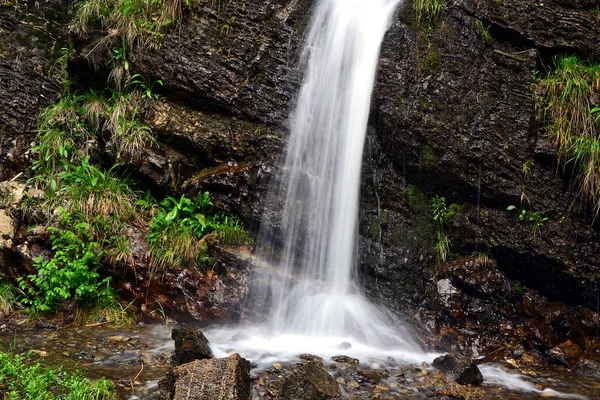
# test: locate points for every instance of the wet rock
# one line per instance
(557, 356)
(309, 381)
(345, 360)
(190, 345)
(221, 378)
(587, 367)
(458, 368)
(310, 357)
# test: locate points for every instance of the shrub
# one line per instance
(70, 273)
(21, 381)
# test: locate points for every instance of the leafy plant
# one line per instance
(522, 212)
(70, 273)
(146, 86)
(21, 380)
(535, 218)
(537, 221)
(178, 231)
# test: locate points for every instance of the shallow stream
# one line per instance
(136, 358)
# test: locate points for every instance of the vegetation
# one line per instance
(535, 218)
(484, 31)
(179, 231)
(567, 98)
(427, 13)
(23, 381)
(440, 214)
(71, 273)
(8, 296)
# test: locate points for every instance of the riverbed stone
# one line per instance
(309, 381)
(219, 378)
(459, 368)
(190, 345)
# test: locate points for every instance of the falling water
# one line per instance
(314, 292)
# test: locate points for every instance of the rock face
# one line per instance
(190, 345)
(459, 369)
(31, 37)
(220, 378)
(309, 381)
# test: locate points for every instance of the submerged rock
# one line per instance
(309, 381)
(587, 367)
(190, 345)
(458, 368)
(220, 378)
(345, 360)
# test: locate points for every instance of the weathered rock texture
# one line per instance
(219, 378)
(31, 36)
(459, 369)
(307, 381)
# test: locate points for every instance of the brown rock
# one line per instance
(221, 378)
(309, 381)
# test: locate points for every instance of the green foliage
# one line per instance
(8, 296)
(439, 214)
(565, 99)
(22, 381)
(129, 25)
(178, 231)
(107, 309)
(427, 13)
(70, 273)
(484, 31)
(535, 218)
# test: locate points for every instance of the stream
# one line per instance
(143, 352)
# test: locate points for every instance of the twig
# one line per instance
(131, 382)
(96, 324)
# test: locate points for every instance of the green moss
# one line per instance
(374, 230)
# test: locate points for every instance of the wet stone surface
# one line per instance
(136, 358)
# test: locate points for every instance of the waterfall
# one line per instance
(313, 292)
(306, 284)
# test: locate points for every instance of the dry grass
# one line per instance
(566, 99)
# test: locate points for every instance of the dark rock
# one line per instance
(587, 367)
(221, 378)
(345, 360)
(458, 368)
(190, 345)
(557, 356)
(309, 381)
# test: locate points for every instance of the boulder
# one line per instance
(458, 368)
(587, 367)
(309, 381)
(190, 345)
(219, 378)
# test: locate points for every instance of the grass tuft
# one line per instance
(567, 98)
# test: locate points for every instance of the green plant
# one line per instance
(8, 296)
(70, 273)
(564, 98)
(527, 165)
(535, 218)
(439, 214)
(22, 380)
(107, 309)
(178, 231)
(537, 221)
(428, 11)
(146, 86)
(484, 31)
(522, 212)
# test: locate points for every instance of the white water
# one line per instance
(315, 305)
(314, 293)
(314, 302)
